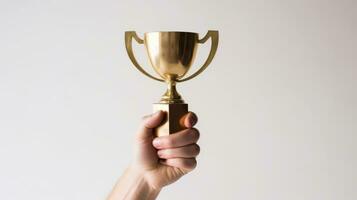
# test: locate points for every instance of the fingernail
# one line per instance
(156, 142)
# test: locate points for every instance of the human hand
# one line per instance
(163, 160)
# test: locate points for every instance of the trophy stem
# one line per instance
(171, 95)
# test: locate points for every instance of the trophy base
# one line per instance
(173, 122)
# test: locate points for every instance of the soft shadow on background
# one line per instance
(277, 106)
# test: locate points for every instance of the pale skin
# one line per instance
(158, 161)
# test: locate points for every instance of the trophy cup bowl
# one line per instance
(171, 54)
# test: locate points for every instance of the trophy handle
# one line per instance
(129, 35)
(214, 38)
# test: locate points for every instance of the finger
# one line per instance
(189, 120)
(179, 139)
(189, 151)
(182, 163)
(149, 123)
(153, 120)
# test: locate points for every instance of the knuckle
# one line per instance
(193, 116)
(189, 163)
(196, 149)
(185, 163)
(195, 134)
(194, 164)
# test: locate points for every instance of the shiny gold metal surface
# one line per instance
(171, 54)
(172, 123)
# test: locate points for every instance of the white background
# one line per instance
(277, 107)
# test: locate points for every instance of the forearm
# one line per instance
(133, 186)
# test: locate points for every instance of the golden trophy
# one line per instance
(171, 54)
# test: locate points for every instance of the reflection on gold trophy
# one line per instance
(171, 54)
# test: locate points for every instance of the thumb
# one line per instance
(149, 123)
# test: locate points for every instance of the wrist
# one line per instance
(145, 178)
